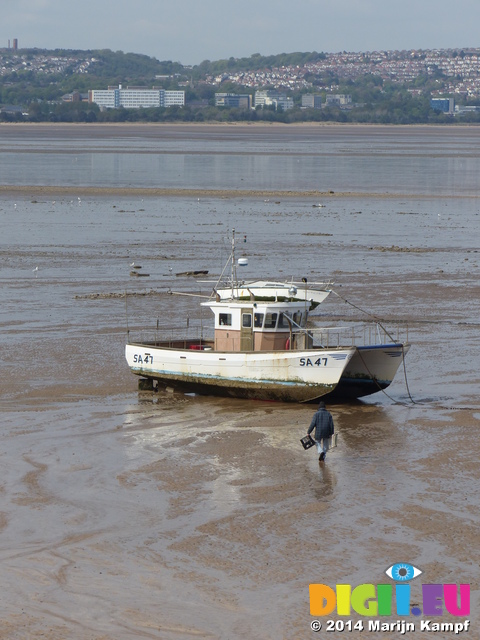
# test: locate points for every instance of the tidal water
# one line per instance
(128, 514)
(400, 160)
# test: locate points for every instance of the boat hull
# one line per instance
(371, 369)
(287, 376)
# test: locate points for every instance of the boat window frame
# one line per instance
(258, 319)
(282, 322)
(249, 316)
(274, 320)
(225, 319)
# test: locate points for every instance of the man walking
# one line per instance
(322, 422)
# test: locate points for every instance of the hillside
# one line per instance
(384, 86)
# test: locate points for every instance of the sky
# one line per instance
(190, 31)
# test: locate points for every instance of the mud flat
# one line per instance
(33, 191)
(173, 516)
(130, 514)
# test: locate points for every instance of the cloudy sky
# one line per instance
(190, 31)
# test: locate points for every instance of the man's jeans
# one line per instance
(324, 447)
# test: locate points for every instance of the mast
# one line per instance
(233, 274)
(234, 270)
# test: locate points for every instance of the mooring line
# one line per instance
(392, 339)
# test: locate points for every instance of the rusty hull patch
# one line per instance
(251, 389)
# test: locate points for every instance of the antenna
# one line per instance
(233, 274)
(234, 278)
(126, 317)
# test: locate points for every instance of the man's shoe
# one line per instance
(322, 456)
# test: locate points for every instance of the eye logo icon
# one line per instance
(403, 572)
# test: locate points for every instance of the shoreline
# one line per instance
(35, 190)
(244, 123)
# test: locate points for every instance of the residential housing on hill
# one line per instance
(457, 71)
(397, 86)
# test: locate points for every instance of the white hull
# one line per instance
(261, 348)
(371, 369)
(298, 376)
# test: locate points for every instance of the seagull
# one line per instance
(35, 271)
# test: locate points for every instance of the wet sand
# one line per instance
(158, 515)
(127, 524)
(34, 191)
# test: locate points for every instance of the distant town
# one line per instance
(383, 86)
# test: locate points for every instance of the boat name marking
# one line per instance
(147, 358)
(319, 362)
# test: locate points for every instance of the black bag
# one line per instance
(307, 441)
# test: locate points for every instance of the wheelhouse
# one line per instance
(252, 326)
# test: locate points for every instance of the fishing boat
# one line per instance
(262, 348)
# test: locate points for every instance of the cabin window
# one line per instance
(225, 319)
(297, 316)
(270, 320)
(258, 319)
(282, 322)
(246, 320)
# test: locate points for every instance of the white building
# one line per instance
(268, 98)
(173, 97)
(312, 101)
(135, 97)
(338, 100)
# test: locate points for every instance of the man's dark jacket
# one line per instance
(322, 422)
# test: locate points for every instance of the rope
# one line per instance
(392, 339)
(365, 312)
(405, 375)
(379, 387)
(403, 358)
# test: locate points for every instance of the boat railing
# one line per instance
(202, 336)
(372, 333)
(172, 336)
